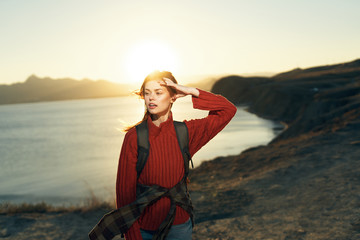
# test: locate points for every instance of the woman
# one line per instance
(165, 164)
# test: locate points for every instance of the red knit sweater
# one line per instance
(165, 164)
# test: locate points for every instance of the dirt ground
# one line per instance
(307, 188)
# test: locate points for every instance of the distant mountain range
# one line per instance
(36, 89)
(256, 92)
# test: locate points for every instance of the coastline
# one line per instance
(291, 189)
(302, 185)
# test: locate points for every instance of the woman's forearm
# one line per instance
(194, 91)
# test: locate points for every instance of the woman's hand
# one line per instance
(181, 91)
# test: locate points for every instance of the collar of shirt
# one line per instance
(167, 126)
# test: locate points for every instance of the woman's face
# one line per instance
(157, 98)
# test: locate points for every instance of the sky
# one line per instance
(122, 41)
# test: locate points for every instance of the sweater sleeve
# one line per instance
(201, 131)
(126, 179)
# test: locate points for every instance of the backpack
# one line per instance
(106, 224)
(144, 145)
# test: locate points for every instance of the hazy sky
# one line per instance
(121, 40)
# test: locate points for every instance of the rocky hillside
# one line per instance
(306, 100)
(305, 184)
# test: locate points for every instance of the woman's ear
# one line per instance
(173, 99)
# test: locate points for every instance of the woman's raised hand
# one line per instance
(181, 91)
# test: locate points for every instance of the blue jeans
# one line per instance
(177, 232)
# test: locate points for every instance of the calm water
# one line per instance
(61, 151)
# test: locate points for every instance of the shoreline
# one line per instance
(293, 189)
(304, 184)
(38, 185)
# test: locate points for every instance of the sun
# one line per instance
(147, 56)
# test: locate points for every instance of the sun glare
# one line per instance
(148, 56)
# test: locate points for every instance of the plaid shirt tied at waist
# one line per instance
(120, 220)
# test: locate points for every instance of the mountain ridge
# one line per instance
(36, 89)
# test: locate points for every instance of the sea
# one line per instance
(66, 152)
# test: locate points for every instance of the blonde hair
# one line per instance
(155, 75)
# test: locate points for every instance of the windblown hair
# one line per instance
(155, 75)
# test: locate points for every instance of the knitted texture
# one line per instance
(165, 164)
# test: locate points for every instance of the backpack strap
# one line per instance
(183, 140)
(143, 146)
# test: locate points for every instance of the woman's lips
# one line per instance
(152, 106)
